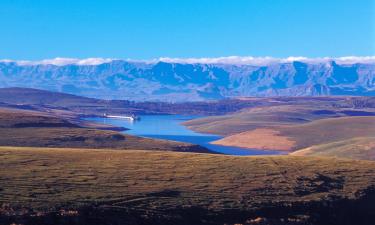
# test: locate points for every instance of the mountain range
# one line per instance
(176, 81)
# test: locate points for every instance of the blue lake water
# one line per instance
(169, 127)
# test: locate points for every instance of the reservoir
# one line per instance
(169, 127)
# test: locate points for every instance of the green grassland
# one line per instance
(75, 186)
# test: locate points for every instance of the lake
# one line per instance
(169, 127)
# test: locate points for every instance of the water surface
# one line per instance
(169, 127)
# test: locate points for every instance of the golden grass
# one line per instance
(267, 117)
(12, 118)
(262, 138)
(115, 187)
(329, 130)
(258, 117)
(355, 148)
(34, 129)
(44, 178)
(86, 138)
(319, 132)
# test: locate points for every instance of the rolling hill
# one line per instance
(331, 127)
(293, 112)
(67, 105)
(77, 186)
(320, 135)
(355, 148)
(63, 104)
(35, 129)
(282, 123)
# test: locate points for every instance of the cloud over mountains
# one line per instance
(232, 60)
(258, 61)
(171, 79)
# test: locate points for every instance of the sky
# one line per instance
(147, 29)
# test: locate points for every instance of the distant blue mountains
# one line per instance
(176, 82)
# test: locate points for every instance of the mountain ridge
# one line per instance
(176, 82)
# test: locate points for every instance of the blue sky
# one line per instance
(141, 29)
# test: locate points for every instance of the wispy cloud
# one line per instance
(62, 61)
(235, 60)
(248, 60)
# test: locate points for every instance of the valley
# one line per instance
(187, 112)
(169, 127)
(309, 124)
(33, 129)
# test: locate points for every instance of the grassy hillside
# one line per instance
(329, 130)
(294, 137)
(62, 103)
(274, 116)
(35, 96)
(258, 117)
(35, 129)
(59, 103)
(297, 126)
(76, 186)
(10, 118)
(356, 148)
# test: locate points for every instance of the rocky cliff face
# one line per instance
(119, 79)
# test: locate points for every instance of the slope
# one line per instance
(75, 186)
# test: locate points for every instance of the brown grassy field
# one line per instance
(355, 148)
(298, 124)
(294, 137)
(260, 138)
(76, 186)
(270, 117)
(19, 118)
(252, 118)
(62, 103)
(34, 129)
